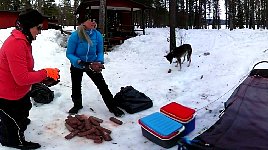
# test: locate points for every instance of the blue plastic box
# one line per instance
(161, 129)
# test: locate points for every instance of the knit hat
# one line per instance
(30, 18)
(82, 19)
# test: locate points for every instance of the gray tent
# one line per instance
(244, 124)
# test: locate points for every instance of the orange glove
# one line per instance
(53, 73)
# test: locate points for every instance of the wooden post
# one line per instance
(102, 16)
(172, 23)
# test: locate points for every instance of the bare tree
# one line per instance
(172, 22)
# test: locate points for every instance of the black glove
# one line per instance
(85, 65)
(92, 66)
(50, 82)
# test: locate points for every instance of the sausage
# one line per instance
(97, 119)
(69, 127)
(72, 134)
(113, 119)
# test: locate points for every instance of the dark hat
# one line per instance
(84, 18)
(30, 18)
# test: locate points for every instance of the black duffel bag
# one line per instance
(131, 100)
(40, 93)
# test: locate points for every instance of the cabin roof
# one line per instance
(112, 4)
(11, 11)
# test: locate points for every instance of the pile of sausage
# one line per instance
(89, 127)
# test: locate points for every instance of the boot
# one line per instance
(77, 106)
(20, 143)
(24, 146)
(75, 109)
(27, 121)
(117, 112)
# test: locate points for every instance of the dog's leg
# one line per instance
(184, 58)
(177, 63)
(189, 59)
(189, 56)
(179, 60)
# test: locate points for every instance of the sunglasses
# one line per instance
(92, 20)
(39, 28)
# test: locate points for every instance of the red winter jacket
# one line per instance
(16, 67)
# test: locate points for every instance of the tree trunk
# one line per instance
(172, 22)
(102, 16)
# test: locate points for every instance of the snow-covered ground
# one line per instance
(221, 59)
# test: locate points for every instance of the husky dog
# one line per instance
(179, 52)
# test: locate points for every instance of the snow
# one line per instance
(221, 60)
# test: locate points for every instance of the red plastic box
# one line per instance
(182, 114)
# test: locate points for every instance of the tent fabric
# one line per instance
(244, 124)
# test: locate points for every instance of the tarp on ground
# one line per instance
(244, 124)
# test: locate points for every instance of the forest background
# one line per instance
(190, 14)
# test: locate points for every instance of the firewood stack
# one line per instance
(88, 127)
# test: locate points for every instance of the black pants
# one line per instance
(97, 78)
(13, 115)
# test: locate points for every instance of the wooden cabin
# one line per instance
(8, 19)
(119, 24)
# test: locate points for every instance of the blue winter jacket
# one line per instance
(79, 49)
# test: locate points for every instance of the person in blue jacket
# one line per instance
(85, 52)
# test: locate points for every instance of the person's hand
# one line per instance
(96, 67)
(93, 66)
(53, 73)
(84, 65)
(50, 82)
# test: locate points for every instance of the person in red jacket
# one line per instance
(17, 76)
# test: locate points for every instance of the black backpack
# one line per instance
(40, 93)
(131, 100)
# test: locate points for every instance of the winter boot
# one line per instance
(24, 146)
(117, 112)
(27, 121)
(77, 106)
(20, 143)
